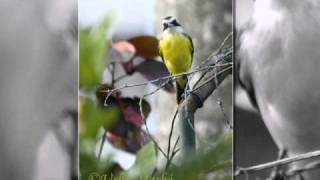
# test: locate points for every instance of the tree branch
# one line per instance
(167, 79)
(280, 162)
(198, 96)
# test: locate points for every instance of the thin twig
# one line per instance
(102, 144)
(111, 69)
(171, 131)
(200, 78)
(205, 62)
(280, 162)
(120, 77)
(175, 144)
(144, 119)
(148, 132)
(174, 152)
(214, 64)
(145, 122)
(211, 78)
(308, 167)
(225, 40)
(168, 78)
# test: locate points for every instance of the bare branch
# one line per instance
(211, 78)
(102, 144)
(215, 58)
(308, 167)
(280, 162)
(167, 78)
(197, 96)
(120, 77)
(225, 40)
(171, 131)
(144, 119)
(174, 152)
(148, 132)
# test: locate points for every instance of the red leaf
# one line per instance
(154, 69)
(129, 107)
(131, 110)
(146, 46)
(131, 114)
(132, 143)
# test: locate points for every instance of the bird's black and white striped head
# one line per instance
(169, 21)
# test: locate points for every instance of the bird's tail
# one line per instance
(181, 84)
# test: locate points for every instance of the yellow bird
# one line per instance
(176, 51)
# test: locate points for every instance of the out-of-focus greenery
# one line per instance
(93, 117)
(144, 165)
(93, 50)
(216, 160)
(93, 47)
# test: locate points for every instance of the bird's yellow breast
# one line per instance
(176, 50)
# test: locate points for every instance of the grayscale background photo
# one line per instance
(251, 137)
(278, 67)
(38, 80)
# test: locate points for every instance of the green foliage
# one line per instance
(145, 163)
(217, 159)
(92, 47)
(94, 116)
(89, 165)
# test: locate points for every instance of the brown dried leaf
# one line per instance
(146, 46)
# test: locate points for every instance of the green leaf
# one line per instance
(216, 159)
(89, 165)
(94, 116)
(93, 47)
(144, 164)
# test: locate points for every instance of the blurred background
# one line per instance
(38, 77)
